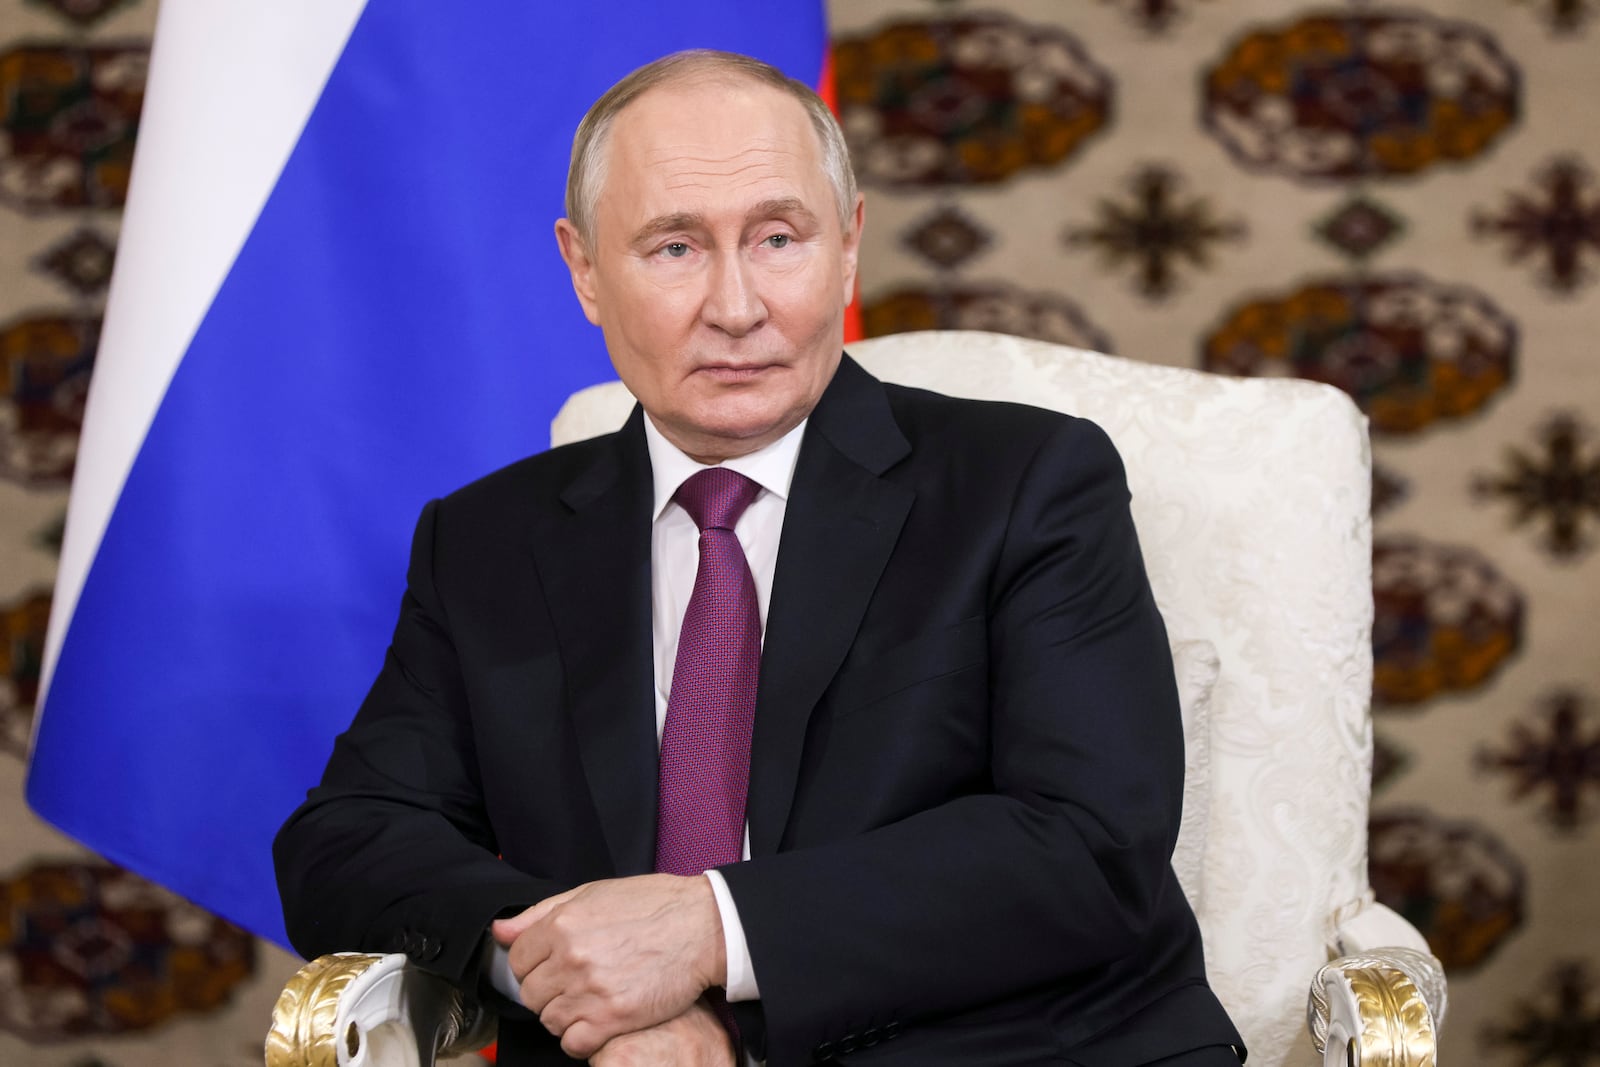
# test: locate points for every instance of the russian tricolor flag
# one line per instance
(337, 296)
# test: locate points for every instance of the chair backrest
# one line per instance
(1251, 498)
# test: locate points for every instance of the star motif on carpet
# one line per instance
(1558, 225)
(22, 626)
(51, 535)
(1360, 227)
(947, 237)
(1561, 1027)
(1157, 16)
(82, 262)
(1388, 489)
(1564, 16)
(1154, 229)
(1559, 756)
(1388, 761)
(1556, 486)
(82, 12)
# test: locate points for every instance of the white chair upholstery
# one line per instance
(1251, 500)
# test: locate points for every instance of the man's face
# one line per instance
(719, 271)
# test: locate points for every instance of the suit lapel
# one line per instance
(594, 562)
(839, 528)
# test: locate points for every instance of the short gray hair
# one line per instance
(587, 173)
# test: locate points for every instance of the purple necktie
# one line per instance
(705, 744)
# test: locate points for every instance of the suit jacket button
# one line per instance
(430, 948)
(848, 1044)
(823, 1051)
(891, 1031)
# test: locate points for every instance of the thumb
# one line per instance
(507, 930)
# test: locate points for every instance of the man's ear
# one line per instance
(581, 265)
(852, 248)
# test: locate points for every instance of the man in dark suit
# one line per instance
(958, 769)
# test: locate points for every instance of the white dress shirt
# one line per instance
(674, 559)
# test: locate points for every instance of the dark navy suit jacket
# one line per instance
(967, 766)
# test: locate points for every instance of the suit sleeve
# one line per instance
(393, 851)
(1059, 868)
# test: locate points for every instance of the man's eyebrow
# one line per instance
(681, 221)
(661, 225)
(784, 205)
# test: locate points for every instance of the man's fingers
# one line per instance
(581, 1037)
(507, 930)
(582, 1040)
(620, 955)
(538, 992)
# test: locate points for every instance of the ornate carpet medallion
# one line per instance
(1408, 350)
(45, 364)
(69, 114)
(972, 99)
(1445, 620)
(1001, 308)
(88, 949)
(1458, 883)
(1354, 94)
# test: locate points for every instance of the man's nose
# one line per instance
(733, 303)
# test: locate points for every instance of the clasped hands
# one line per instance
(616, 969)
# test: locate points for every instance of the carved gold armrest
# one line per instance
(1378, 1009)
(359, 1010)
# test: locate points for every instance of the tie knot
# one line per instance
(716, 497)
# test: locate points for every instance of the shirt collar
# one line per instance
(771, 467)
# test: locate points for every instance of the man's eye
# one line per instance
(677, 249)
(779, 240)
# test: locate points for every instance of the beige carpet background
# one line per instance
(1400, 199)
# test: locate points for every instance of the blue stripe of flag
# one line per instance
(397, 323)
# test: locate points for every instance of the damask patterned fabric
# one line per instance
(1398, 199)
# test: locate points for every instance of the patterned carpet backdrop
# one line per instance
(1402, 200)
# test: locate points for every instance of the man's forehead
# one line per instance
(714, 108)
(684, 138)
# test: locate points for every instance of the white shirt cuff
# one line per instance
(500, 976)
(741, 983)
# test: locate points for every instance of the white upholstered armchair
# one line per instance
(1251, 500)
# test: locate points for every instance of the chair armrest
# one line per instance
(1377, 1009)
(359, 1010)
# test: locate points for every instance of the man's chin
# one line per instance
(725, 438)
